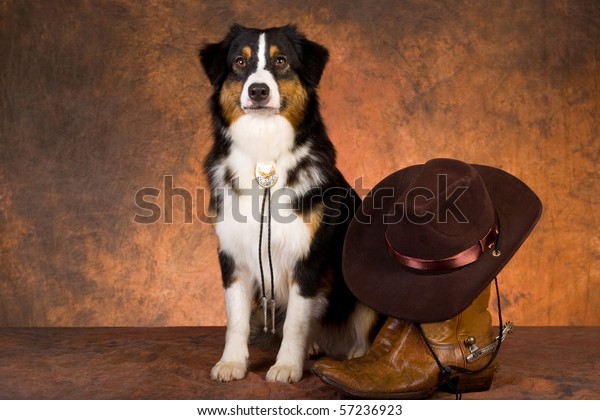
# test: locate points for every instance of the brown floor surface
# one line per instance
(174, 363)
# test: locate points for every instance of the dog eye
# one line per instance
(241, 62)
(280, 61)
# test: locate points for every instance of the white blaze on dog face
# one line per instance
(261, 76)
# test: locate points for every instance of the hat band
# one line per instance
(461, 259)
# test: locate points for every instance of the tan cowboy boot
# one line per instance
(400, 364)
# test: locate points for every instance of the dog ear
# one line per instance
(213, 58)
(313, 57)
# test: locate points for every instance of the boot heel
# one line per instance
(477, 382)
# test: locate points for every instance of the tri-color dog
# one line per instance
(270, 144)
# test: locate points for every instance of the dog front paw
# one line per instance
(284, 373)
(227, 371)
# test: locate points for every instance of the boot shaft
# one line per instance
(450, 339)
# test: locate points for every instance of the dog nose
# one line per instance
(258, 92)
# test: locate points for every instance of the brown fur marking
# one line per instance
(273, 51)
(230, 101)
(247, 52)
(313, 220)
(295, 97)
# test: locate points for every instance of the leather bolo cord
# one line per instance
(266, 197)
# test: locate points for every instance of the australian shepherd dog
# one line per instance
(281, 263)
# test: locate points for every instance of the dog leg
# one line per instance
(234, 362)
(300, 314)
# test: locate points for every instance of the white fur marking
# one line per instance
(262, 51)
(262, 138)
(261, 75)
(233, 363)
(300, 317)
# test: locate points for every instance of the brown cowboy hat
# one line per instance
(428, 239)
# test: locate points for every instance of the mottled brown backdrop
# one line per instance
(99, 99)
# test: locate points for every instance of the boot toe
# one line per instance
(322, 366)
(346, 377)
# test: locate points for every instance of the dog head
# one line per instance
(264, 72)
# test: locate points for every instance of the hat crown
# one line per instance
(444, 211)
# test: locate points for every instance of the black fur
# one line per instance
(227, 264)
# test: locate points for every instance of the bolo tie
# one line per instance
(266, 176)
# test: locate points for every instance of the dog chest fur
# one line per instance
(262, 140)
